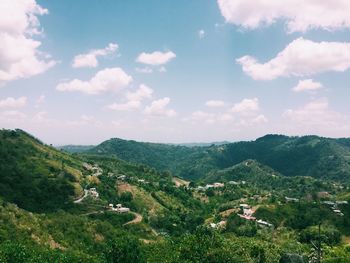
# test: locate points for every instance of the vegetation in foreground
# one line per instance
(45, 215)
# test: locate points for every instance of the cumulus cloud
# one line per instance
(134, 99)
(317, 117)
(19, 51)
(215, 103)
(90, 59)
(246, 106)
(109, 79)
(301, 57)
(307, 85)
(156, 58)
(299, 15)
(159, 108)
(143, 92)
(13, 103)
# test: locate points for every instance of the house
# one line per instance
(201, 188)
(328, 203)
(93, 192)
(119, 208)
(341, 202)
(217, 185)
(338, 212)
(121, 177)
(264, 223)
(295, 200)
(244, 206)
(247, 211)
(233, 183)
(142, 181)
(209, 186)
(110, 174)
(87, 166)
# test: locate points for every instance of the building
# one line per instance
(289, 199)
(264, 223)
(118, 208)
(93, 192)
(217, 185)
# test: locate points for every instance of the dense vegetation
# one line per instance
(46, 215)
(291, 156)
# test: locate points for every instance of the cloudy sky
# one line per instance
(80, 72)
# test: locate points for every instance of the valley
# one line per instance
(259, 201)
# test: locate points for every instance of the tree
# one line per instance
(124, 249)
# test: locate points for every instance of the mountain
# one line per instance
(35, 176)
(291, 156)
(45, 217)
(75, 148)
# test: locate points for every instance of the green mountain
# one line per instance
(75, 148)
(291, 156)
(35, 176)
(45, 216)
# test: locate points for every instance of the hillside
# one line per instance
(310, 155)
(48, 214)
(34, 176)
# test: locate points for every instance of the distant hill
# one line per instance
(291, 156)
(75, 148)
(35, 176)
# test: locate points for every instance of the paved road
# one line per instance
(82, 198)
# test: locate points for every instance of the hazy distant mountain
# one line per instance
(75, 148)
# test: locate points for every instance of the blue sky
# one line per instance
(174, 71)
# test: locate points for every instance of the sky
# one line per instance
(81, 72)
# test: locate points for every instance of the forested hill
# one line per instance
(34, 176)
(291, 156)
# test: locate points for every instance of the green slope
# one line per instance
(291, 156)
(34, 176)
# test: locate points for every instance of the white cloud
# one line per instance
(134, 99)
(246, 106)
(128, 106)
(159, 108)
(109, 79)
(145, 70)
(260, 119)
(13, 103)
(90, 59)
(12, 116)
(143, 92)
(299, 15)
(301, 57)
(307, 85)
(156, 58)
(201, 33)
(19, 54)
(317, 117)
(215, 103)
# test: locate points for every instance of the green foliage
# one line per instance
(310, 155)
(30, 174)
(124, 249)
(240, 226)
(328, 235)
